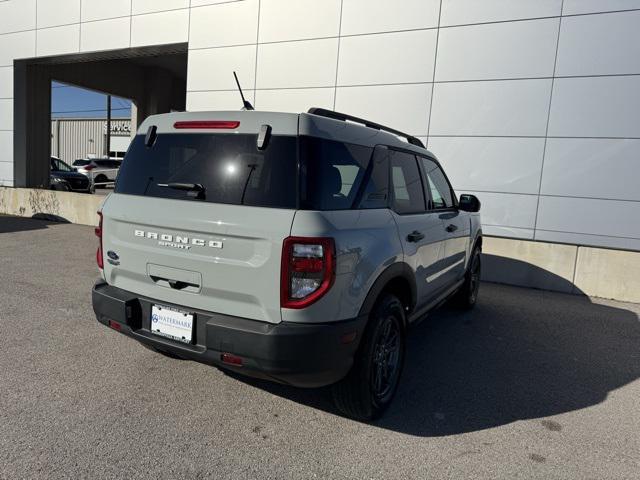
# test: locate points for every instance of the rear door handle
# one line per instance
(451, 228)
(415, 236)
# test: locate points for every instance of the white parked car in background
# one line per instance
(101, 171)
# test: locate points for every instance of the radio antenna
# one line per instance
(245, 103)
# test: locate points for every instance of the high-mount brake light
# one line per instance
(207, 124)
(308, 270)
(98, 231)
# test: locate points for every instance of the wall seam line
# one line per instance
(186, 89)
(551, 195)
(130, 20)
(255, 67)
(36, 52)
(619, 237)
(433, 77)
(546, 131)
(335, 83)
(606, 12)
(79, 29)
(473, 80)
(575, 267)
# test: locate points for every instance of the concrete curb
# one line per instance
(77, 208)
(596, 272)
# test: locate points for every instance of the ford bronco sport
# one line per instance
(293, 247)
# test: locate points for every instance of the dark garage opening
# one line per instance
(154, 78)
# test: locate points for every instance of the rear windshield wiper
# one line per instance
(186, 187)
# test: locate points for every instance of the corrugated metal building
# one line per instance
(73, 138)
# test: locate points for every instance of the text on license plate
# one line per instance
(171, 323)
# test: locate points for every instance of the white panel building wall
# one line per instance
(533, 105)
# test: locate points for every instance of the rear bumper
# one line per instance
(304, 355)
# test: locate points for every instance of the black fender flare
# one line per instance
(477, 239)
(396, 270)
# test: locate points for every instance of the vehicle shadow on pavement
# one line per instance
(520, 354)
(9, 224)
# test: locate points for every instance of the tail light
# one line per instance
(98, 230)
(88, 168)
(308, 270)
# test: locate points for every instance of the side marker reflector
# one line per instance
(231, 359)
(348, 337)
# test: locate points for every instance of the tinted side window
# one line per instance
(376, 191)
(332, 173)
(408, 196)
(439, 187)
(59, 165)
(108, 163)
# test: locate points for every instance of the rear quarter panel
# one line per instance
(367, 243)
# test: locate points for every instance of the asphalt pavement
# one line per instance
(530, 384)
(103, 191)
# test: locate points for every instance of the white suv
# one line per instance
(101, 171)
(293, 247)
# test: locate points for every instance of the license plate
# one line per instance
(171, 323)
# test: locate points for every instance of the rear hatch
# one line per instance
(199, 214)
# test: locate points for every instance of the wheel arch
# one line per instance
(478, 241)
(398, 279)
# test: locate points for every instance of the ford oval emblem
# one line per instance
(113, 255)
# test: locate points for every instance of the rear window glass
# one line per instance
(334, 172)
(229, 167)
(81, 163)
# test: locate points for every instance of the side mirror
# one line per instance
(469, 203)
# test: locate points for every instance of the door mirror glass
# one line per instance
(469, 203)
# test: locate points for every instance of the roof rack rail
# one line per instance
(323, 112)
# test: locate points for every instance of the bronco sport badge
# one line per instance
(177, 241)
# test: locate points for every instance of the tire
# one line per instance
(467, 296)
(369, 387)
(100, 179)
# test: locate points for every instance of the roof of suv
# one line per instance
(281, 123)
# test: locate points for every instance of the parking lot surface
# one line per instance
(530, 384)
(104, 191)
